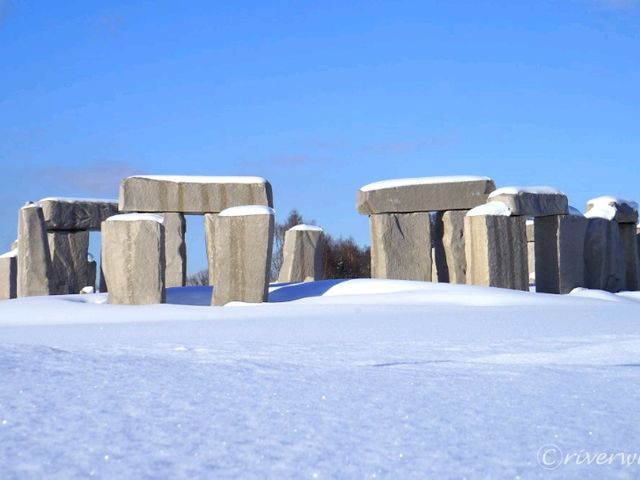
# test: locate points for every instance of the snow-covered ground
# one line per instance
(334, 379)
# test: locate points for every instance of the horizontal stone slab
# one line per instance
(426, 194)
(611, 208)
(76, 214)
(532, 201)
(192, 194)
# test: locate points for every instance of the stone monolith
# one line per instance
(34, 260)
(301, 254)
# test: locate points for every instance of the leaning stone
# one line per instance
(496, 249)
(69, 252)
(559, 253)
(34, 260)
(8, 275)
(74, 214)
(604, 258)
(175, 249)
(192, 194)
(242, 254)
(532, 201)
(428, 194)
(92, 270)
(133, 258)
(301, 254)
(630, 251)
(401, 246)
(622, 211)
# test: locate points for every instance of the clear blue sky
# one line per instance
(318, 97)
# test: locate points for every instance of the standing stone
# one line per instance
(531, 250)
(92, 269)
(604, 259)
(401, 246)
(439, 270)
(559, 253)
(8, 275)
(133, 258)
(209, 237)
(630, 251)
(449, 246)
(301, 254)
(496, 251)
(69, 252)
(175, 249)
(34, 260)
(243, 240)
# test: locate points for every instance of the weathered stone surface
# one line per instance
(34, 260)
(496, 251)
(629, 241)
(401, 246)
(175, 249)
(209, 236)
(68, 252)
(92, 270)
(604, 258)
(611, 208)
(532, 201)
(133, 258)
(530, 225)
(72, 214)
(423, 194)
(243, 240)
(559, 253)
(8, 275)
(448, 241)
(531, 250)
(196, 195)
(301, 254)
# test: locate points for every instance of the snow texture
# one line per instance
(490, 208)
(247, 210)
(78, 200)
(11, 254)
(303, 226)
(134, 217)
(203, 179)
(518, 190)
(405, 182)
(613, 202)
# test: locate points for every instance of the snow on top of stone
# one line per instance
(90, 258)
(530, 221)
(78, 200)
(304, 226)
(133, 217)
(517, 190)
(247, 210)
(405, 182)
(575, 212)
(610, 201)
(203, 179)
(607, 212)
(490, 208)
(10, 254)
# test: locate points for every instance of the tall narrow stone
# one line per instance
(8, 275)
(496, 251)
(209, 236)
(34, 260)
(69, 252)
(630, 252)
(301, 254)
(604, 258)
(449, 248)
(92, 269)
(175, 249)
(531, 250)
(559, 253)
(243, 240)
(401, 246)
(133, 258)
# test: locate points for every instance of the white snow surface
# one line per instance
(490, 208)
(304, 226)
(612, 201)
(405, 182)
(78, 200)
(607, 207)
(10, 254)
(607, 212)
(243, 210)
(134, 217)
(332, 379)
(203, 179)
(540, 190)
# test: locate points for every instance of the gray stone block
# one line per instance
(195, 195)
(133, 258)
(175, 249)
(69, 251)
(532, 201)
(401, 246)
(496, 251)
(428, 194)
(243, 241)
(34, 260)
(72, 214)
(629, 241)
(301, 254)
(604, 256)
(559, 253)
(448, 242)
(8, 275)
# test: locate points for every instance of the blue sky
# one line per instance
(318, 97)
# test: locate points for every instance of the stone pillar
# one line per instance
(175, 249)
(630, 252)
(400, 246)
(34, 260)
(243, 241)
(449, 246)
(8, 275)
(69, 252)
(209, 235)
(301, 254)
(531, 250)
(604, 259)
(496, 251)
(92, 269)
(133, 258)
(559, 253)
